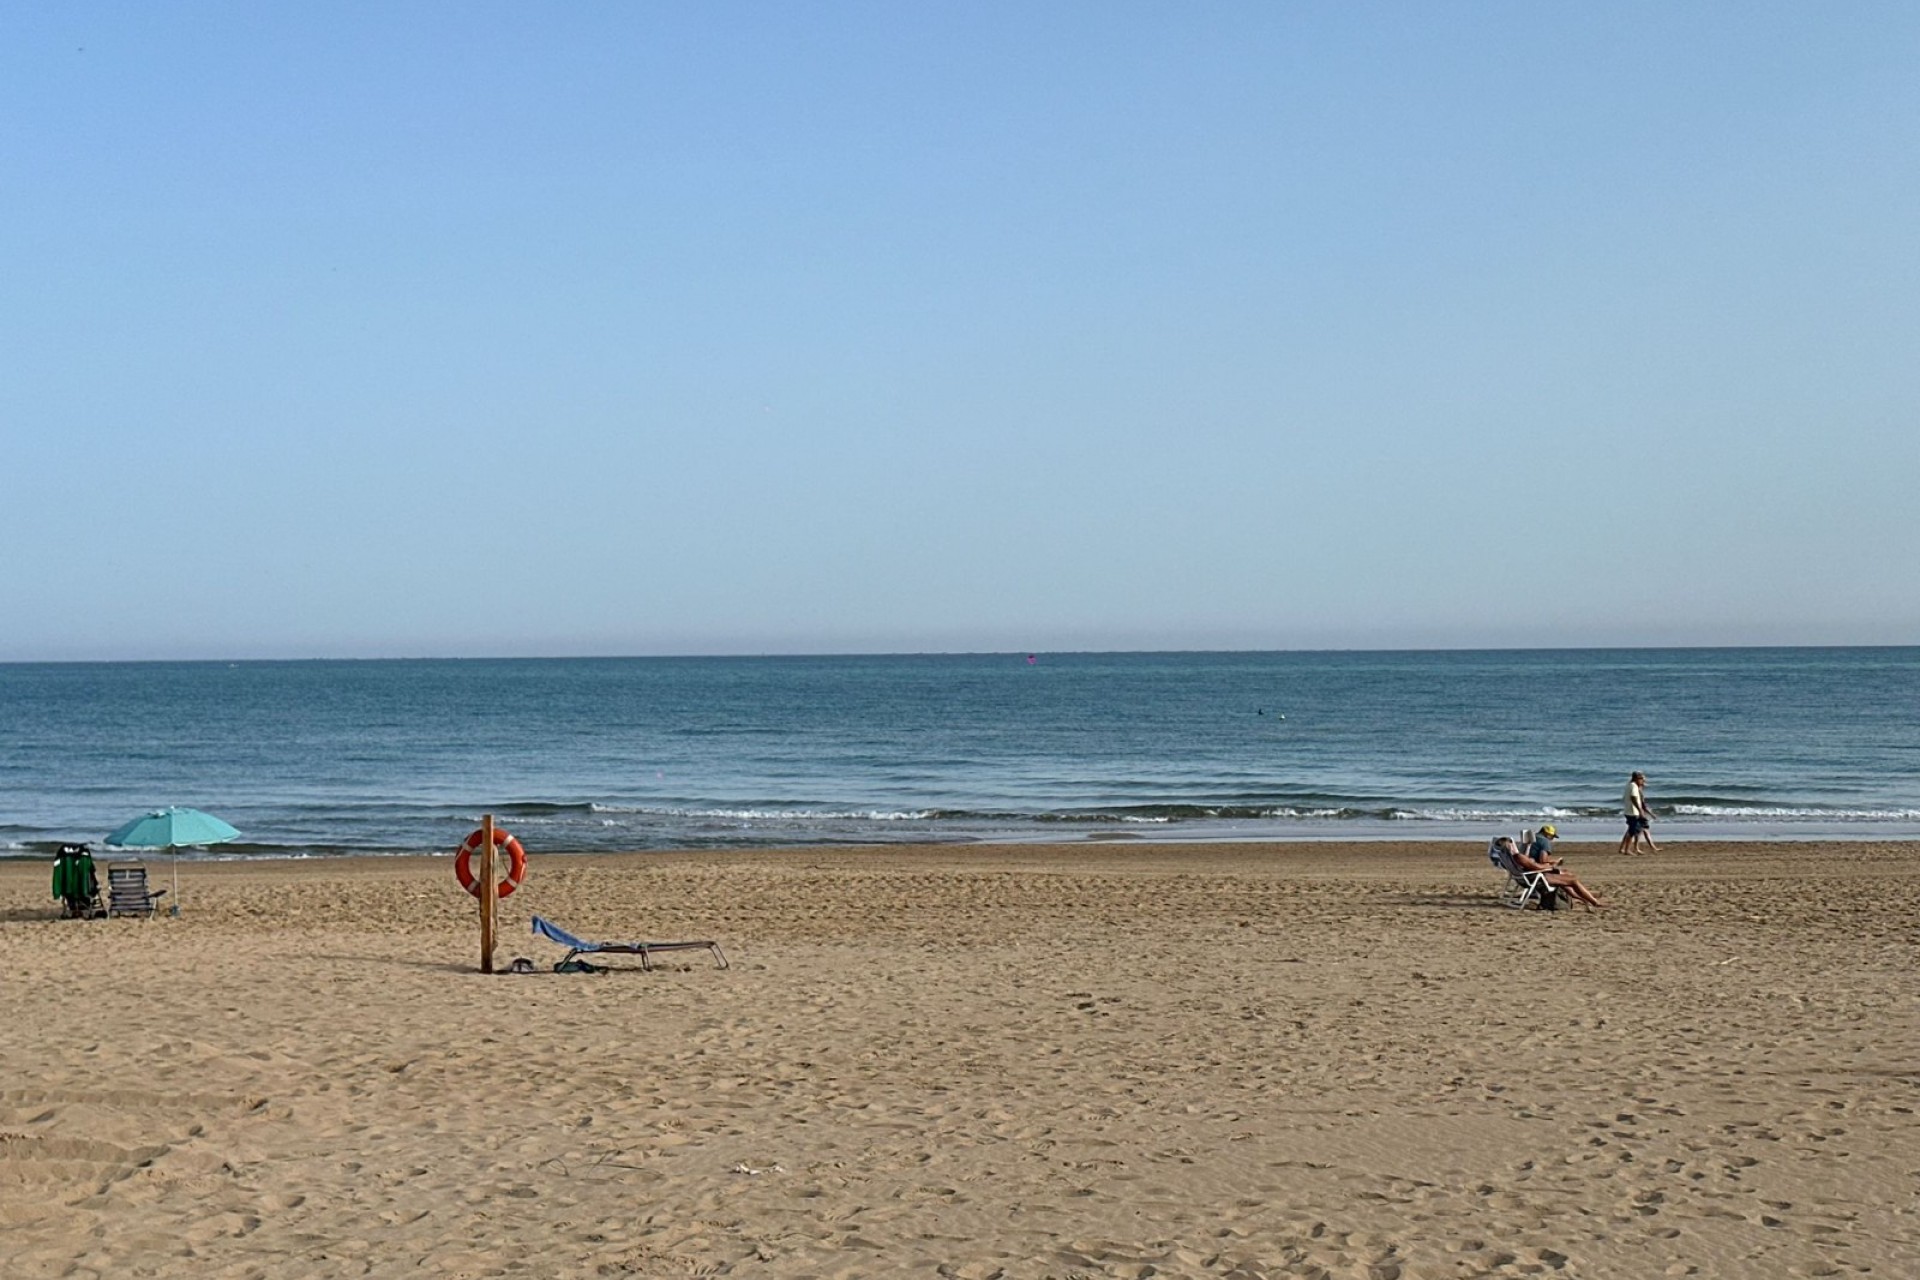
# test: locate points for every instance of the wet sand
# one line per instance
(1023, 1061)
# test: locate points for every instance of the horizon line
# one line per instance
(756, 655)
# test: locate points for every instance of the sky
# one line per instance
(446, 329)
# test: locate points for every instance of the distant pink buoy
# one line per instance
(1032, 658)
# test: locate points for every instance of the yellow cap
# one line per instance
(1549, 832)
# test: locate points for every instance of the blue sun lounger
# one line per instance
(580, 946)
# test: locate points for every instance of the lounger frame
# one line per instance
(1522, 888)
(577, 947)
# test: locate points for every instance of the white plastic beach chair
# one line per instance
(1522, 888)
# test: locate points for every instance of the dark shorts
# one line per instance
(1636, 825)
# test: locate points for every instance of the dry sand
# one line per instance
(1096, 1060)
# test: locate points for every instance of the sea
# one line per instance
(323, 758)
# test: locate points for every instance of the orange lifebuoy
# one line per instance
(516, 861)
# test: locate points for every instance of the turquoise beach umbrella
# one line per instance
(169, 829)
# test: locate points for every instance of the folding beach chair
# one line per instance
(577, 947)
(127, 892)
(76, 884)
(1522, 888)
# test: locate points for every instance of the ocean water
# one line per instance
(316, 758)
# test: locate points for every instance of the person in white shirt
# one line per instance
(1639, 817)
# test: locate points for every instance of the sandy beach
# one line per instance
(1106, 1059)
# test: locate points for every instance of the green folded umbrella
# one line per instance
(73, 875)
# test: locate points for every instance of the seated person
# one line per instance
(1540, 848)
(1535, 857)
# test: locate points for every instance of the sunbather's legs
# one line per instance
(1566, 880)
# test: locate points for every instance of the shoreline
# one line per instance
(1596, 861)
(1585, 841)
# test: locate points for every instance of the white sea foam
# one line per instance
(1812, 813)
(1545, 813)
(803, 815)
(762, 815)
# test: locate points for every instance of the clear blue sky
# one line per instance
(505, 328)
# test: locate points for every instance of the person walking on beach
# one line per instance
(1639, 817)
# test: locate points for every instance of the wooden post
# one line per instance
(487, 891)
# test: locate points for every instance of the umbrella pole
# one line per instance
(174, 910)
